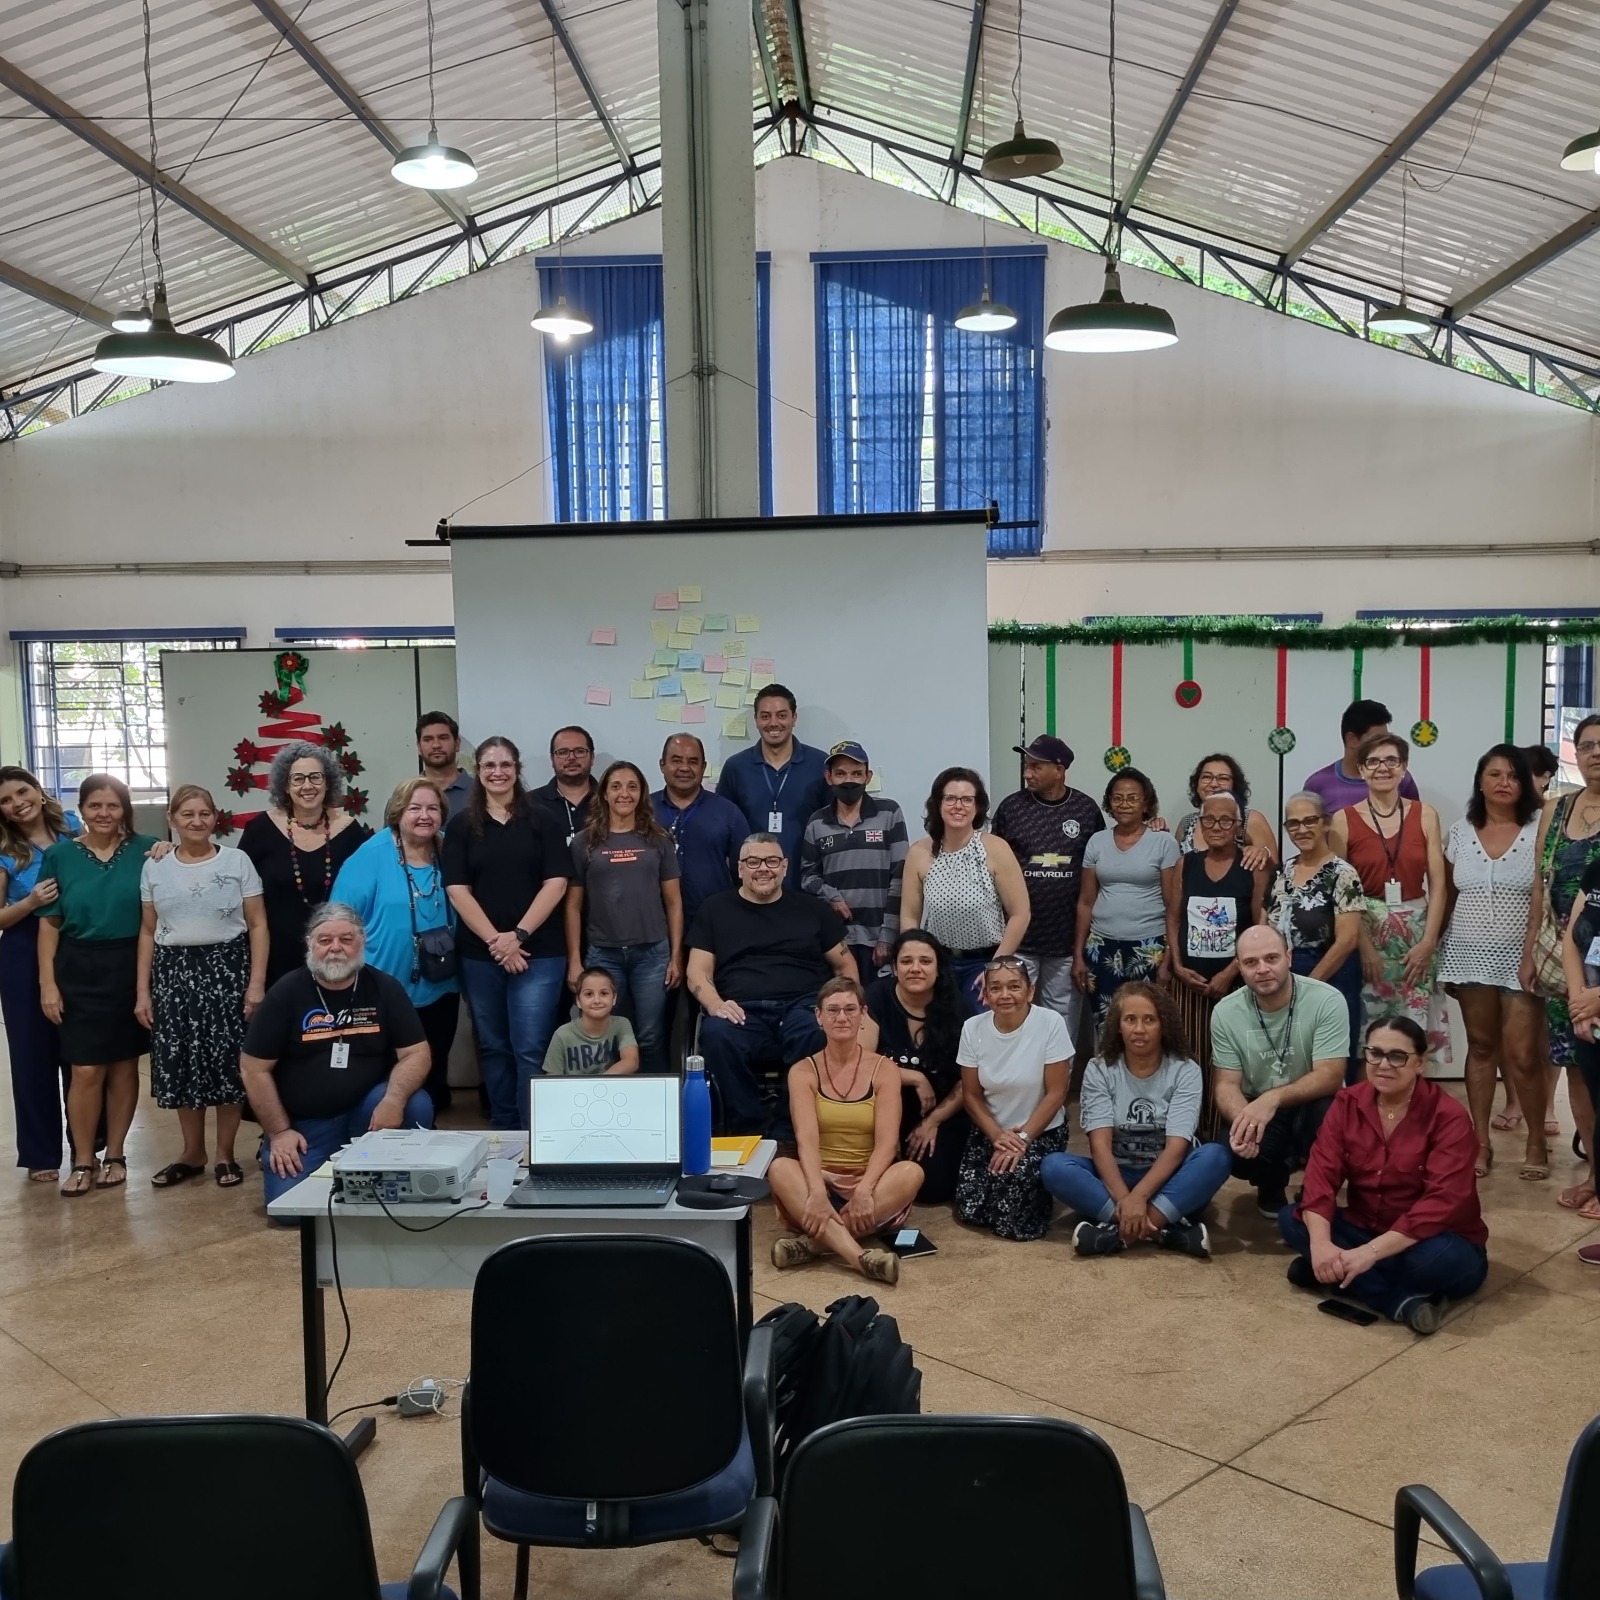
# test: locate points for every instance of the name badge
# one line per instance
(339, 1057)
(774, 822)
(1391, 892)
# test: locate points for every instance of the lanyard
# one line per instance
(680, 818)
(777, 794)
(324, 999)
(1279, 1048)
(1391, 856)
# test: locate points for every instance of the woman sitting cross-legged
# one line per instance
(846, 1181)
(1145, 1178)
(1410, 1236)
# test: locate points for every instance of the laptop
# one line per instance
(602, 1142)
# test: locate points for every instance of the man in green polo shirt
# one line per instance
(1279, 1047)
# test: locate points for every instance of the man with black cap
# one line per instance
(1047, 825)
(853, 855)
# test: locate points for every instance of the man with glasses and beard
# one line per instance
(757, 956)
(334, 1050)
(568, 793)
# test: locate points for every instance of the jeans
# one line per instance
(1074, 1181)
(1347, 980)
(514, 1015)
(324, 1135)
(775, 1032)
(1284, 1146)
(640, 974)
(1444, 1265)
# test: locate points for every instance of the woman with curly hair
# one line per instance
(1219, 774)
(625, 868)
(1145, 1178)
(298, 845)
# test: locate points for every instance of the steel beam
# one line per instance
(797, 55)
(1541, 256)
(969, 86)
(769, 74)
(580, 72)
(351, 100)
(1460, 81)
(1180, 99)
(42, 99)
(62, 299)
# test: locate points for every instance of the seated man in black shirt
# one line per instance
(336, 1048)
(757, 956)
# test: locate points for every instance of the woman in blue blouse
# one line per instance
(396, 882)
(30, 822)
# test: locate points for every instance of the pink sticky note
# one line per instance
(667, 600)
(693, 714)
(716, 663)
(762, 664)
(603, 636)
(596, 696)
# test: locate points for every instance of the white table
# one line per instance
(375, 1251)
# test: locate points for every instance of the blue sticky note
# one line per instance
(690, 661)
(666, 686)
(664, 658)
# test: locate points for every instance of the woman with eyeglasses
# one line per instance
(1221, 774)
(1568, 846)
(846, 1182)
(1410, 1236)
(1396, 847)
(1489, 861)
(1126, 897)
(1016, 1061)
(298, 845)
(964, 885)
(1317, 903)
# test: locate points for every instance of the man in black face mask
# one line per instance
(852, 855)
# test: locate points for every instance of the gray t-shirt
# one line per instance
(1270, 1049)
(199, 902)
(1129, 905)
(573, 1053)
(1142, 1113)
(621, 881)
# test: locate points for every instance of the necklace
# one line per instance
(827, 1073)
(1390, 1116)
(327, 858)
(1373, 810)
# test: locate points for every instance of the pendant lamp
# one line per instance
(984, 316)
(560, 321)
(145, 343)
(433, 164)
(1111, 324)
(1583, 154)
(1019, 156)
(1400, 318)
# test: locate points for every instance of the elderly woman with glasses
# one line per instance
(1221, 774)
(298, 845)
(1396, 846)
(845, 1182)
(1016, 1060)
(1410, 1236)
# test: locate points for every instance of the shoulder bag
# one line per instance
(433, 953)
(1549, 970)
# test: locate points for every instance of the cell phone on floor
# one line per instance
(1337, 1308)
(908, 1242)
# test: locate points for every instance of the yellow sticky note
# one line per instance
(668, 711)
(688, 624)
(660, 631)
(736, 677)
(750, 696)
(735, 727)
(653, 671)
(697, 695)
(727, 699)
(688, 594)
(734, 647)
(747, 622)
(679, 640)
(759, 680)
(639, 689)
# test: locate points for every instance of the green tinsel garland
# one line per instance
(1263, 633)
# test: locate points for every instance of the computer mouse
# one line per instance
(722, 1183)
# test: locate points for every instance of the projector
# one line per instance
(401, 1165)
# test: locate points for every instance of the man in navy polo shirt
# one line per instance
(706, 828)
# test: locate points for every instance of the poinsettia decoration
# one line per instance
(247, 752)
(241, 780)
(335, 736)
(272, 704)
(350, 764)
(355, 801)
(224, 824)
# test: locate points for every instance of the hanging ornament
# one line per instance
(1116, 757)
(1188, 693)
(1281, 740)
(1424, 731)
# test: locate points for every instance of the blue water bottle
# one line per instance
(696, 1116)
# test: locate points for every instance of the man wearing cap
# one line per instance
(1047, 825)
(852, 854)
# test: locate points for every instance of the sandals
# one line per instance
(105, 1180)
(1506, 1121)
(44, 1175)
(71, 1189)
(1578, 1196)
(169, 1177)
(1484, 1162)
(228, 1174)
(1534, 1171)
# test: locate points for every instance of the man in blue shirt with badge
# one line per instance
(706, 828)
(778, 782)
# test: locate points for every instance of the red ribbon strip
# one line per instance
(1116, 693)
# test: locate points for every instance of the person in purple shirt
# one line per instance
(1340, 784)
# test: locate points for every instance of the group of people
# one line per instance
(905, 1011)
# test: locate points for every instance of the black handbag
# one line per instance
(433, 952)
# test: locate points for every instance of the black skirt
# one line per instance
(98, 980)
(197, 995)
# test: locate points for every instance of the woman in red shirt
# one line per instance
(1411, 1236)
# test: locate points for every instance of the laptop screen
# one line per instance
(604, 1122)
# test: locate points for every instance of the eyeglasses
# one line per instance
(840, 1011)
(1378, 763)
(571, 752)
(1303, 824)
(306, 780)
(1219, 822)
(1008, 964)
(1588, 748)
(762, 863)
(1393, 1058)
(959, 800)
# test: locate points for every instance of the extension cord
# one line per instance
(425, 1398)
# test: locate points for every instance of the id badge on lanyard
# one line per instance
(1391, 893)
(339, 1057)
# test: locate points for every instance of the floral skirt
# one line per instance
(197, 998)
(1114, 962)
(1395, 932)
(1012, 1205)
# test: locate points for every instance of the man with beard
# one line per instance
(439, 749)
(334, 1050)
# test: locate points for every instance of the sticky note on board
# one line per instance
(671, 684)
(660, 631)
(763, 664)
(665, 657)
(654, 672)
(596, 695)
(691, 661)
(689, 594)
(735, 727)
(759, 680)
(736, 677)
(712, 774)
(687, 624)
(716, 622)
(747, 622)
(698, 694)
(750, 696)
(602, 636)
(695, 680)
(694, 714)
(727, 699)
(680, 640)
(734, 647)
(668, 711)
(716, 663)
(667, 601)
(640, 689)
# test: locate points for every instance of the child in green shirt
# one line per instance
(598, 1042)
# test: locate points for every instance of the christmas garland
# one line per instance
(1265, 633)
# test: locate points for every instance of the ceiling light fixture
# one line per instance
(1583, 154)
(560, 321)
(1019, 156)
(984, 316)
(1401, 318)
(146, 345)
(1111, 324)
(433, 164)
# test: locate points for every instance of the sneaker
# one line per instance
(1269, 1202)
(1421, 1313)
(1301, 1275)
(793, 1250)
(1188, 1237)
(1096, 1239)
(1589, 1255)
(882, 1266)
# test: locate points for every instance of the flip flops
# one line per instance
(169, 1177)
(68, 1192)
(105, 1181)
(229, 1174)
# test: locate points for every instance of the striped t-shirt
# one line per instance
(861, 865)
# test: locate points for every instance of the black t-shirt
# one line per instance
(895, 1041)
(570, 819)
(289, 902)
(298, 1024)
(775, 950)
(1587, 929)
(1047, 837)
(1212, 914)
(505, 867)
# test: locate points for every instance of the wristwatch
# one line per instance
(524, 937)
(1022, 1134)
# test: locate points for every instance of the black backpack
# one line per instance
(855, 1364)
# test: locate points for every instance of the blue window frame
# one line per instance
(912, 413)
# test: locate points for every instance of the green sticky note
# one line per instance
(727, 699)
(665, 657)
(639, 689)
(716, 622)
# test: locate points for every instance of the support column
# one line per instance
(708, 257)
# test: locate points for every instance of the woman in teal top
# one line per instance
(395, 881)
(88, 974)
